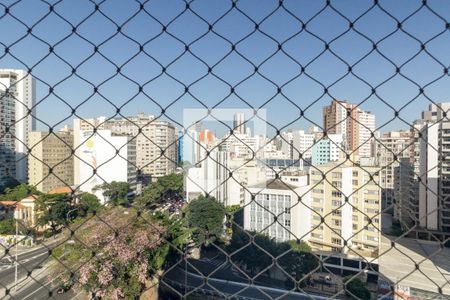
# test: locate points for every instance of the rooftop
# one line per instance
(61, 190)
(276, 184)
(16, 204)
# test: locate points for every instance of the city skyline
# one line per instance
(303, 91)
(225, 149)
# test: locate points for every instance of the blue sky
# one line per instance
(206, 48)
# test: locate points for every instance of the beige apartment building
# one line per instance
(50, 152)
(346, 209)
(393, 146)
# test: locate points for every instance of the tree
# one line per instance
(88, 204)
(115, 191)
(355, 288)
(249, 254)
(52, 210)
(18, 192)
(299, 261)
(205, 216)
(7, 227)
(129, 251)
(166, 187)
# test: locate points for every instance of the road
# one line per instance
(36, 286)
(186, 282)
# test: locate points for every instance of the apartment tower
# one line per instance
(22, 88)
(50, 163)
(355, 125)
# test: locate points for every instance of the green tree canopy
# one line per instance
(249, 253)
(88, 203)
(356, 289)
(115, 191)
(7, 226)
(205, 215)
(299, 261)
(165, 187)
(18, 192)
(52, 210)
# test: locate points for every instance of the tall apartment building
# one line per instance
(50, 152)
(348, 202)
(211, 175)
(392, 147)
(434, 171)
(278, 200)
(24, 95)
(239, 123)
(7, 143)
(297, 143)
(356, 126)
(410, 206)
(103, 157)
(403, 209)
(156, 141)
(242, 146)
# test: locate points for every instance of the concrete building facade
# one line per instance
(156, 142)
(327, 149)
(104, 157)
(348, 202)
(23, 90)
(392, 147)
(7, 142)
(355, 125)
(297, 144)
(279, 208)
(50, 162)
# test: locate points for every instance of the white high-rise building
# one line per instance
(297, 144)
(211, 175)
(104, 157)
(427, 204)
(24, 87)
(366, 128)
(239, 123)
(434, 172)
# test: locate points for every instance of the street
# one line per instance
(184, 282)
(33, 281)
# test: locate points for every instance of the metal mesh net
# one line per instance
(224, 149)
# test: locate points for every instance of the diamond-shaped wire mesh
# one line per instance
(235, 149)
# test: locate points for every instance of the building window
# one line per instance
(335, 241)
(336, 194)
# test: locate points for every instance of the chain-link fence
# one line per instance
(224, 149)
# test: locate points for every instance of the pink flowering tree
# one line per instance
(120, 254)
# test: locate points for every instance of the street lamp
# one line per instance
(16, 265)
(70, 211)
(68, 214)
